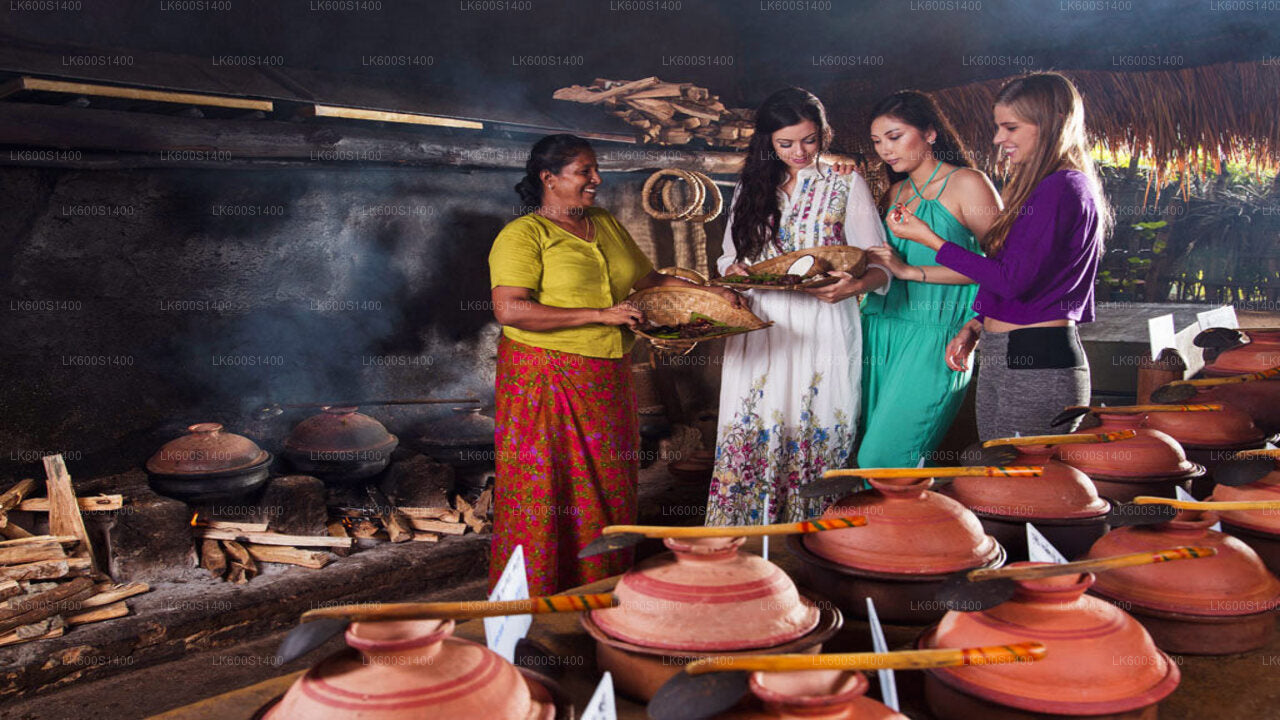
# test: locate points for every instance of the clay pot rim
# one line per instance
(856, 682)
(698, 548)
(1263, 534)
(431, 631)
(1195, 470)
(830, 620)
(1063, 520)
(955, 681)
(1252, 444)
(1135, 608)
(795, 543)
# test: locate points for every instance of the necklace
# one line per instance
(588, 235)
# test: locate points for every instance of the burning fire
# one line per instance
(194, 518)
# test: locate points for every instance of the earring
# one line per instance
(931, 142)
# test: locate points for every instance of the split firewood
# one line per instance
(236, 574)
(661, 90)
(42, 547)
(469, 516)
(12, 637)
(94, 503)
(658, 109)
(38, 606)
(47, 569)
(484, 503)
(431, 513)
(426, 537)
(338, 530)
(9, 588)
(314, 559)
(107, 593)
(242, 567)
(364, 528)
(98, 614)
(577, 93)
(695, 111)
(271, 538)
(12, 497)
(438, 526)
(212, 558)
(64, 510)
(40, 629)
(231, 525)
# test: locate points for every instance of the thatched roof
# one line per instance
(1182, 120)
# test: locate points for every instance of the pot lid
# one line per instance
(1265, 488)
(412, 669)
(463, 426)
(705, 596)
(206, 449)
(1061, 491)
(1150, 453)
(338, 429)
(1100, 659)
(1233, 582)
(909, 531)
(1227, 427)
(1262, 353)
(811, 695)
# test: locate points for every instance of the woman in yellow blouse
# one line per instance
(567, 437)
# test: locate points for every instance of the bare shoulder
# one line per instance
(973, 186)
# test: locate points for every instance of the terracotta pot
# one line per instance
(1150, 463)
(1211, 606)
(339, 445)
(1260, 530)
(1228, 427)
(1262, 353)
(705, 596)
(463, 439)
(810, 695)
(413, 669)
(1101, 662)
(208, 465)
(914, 539)
(1260, 400)
(639, 671)
(1062, 503)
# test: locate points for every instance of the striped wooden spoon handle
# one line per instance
(1209, 382)
(902, 660)
(1064, 439)
(464, 610)
(937, 472)
(1034, 572)
(699, 531)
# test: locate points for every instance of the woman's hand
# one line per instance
(904, 224)
(624, 313)
(845, 288)
(737, 269)
(961, 347)
(844, 168)
(885, 255)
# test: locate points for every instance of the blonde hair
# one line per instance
(1051, 102)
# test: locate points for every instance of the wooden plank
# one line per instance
(19, 542)
(660, 109)
(13, 532)
(130, 93)
(661, 90)
(106, 593)
(695, 111)
(43, 548)
(14, 495)
(98, 614)
(64, 512)
(314, 559)
(12, 638)
(431, 513)
(33, 608)
(426, 537)
(623, 89)
(232, 525)
(270, 538)
(438, 526)
(87, 504)
(352, 113)
(9, 588)
(46, 569)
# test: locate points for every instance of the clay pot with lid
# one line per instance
(1261, 353)
(339, 445)
(809, 695)
(702, 598)
(1260, 400)
(415, 669)
(1062, 503)
(1151, 463)
(1259, 530)
(1209, 437)
(1101, 663)
(208, 465)
(913, 541)
(1213, 606)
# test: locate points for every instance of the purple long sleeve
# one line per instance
(1049, 261)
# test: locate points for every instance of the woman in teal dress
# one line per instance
(909, 395)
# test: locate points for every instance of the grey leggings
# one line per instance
(1014, 397)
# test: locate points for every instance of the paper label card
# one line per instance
(1039, 549)
(1184, 495)
(888, 686)
(502, 633)
(1223, 317)
(602, 705)
(1162, 334)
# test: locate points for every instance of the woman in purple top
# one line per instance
(1042, 253)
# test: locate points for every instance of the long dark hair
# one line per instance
(755, 210)
(551, 153)
(922, 113)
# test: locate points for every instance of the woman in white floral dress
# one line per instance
(789, 395)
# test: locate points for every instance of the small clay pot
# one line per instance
(810, 695)
(1101, 662)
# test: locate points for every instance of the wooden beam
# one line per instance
(270, 538)
(215, 143)
(129, 93)
(351, 113)
(64, 512)
(87, 504)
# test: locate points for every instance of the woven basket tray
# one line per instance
(826, 258)
(672, 305)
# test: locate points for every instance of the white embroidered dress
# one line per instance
(789, 394)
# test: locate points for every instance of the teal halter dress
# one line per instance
(909, 395)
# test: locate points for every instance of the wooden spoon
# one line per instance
(1076, 411)
(984, 588)
(321, 624)
(839, 482)
(617, 537)
(710, 686)
(1065, 439)
(1183, 390)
